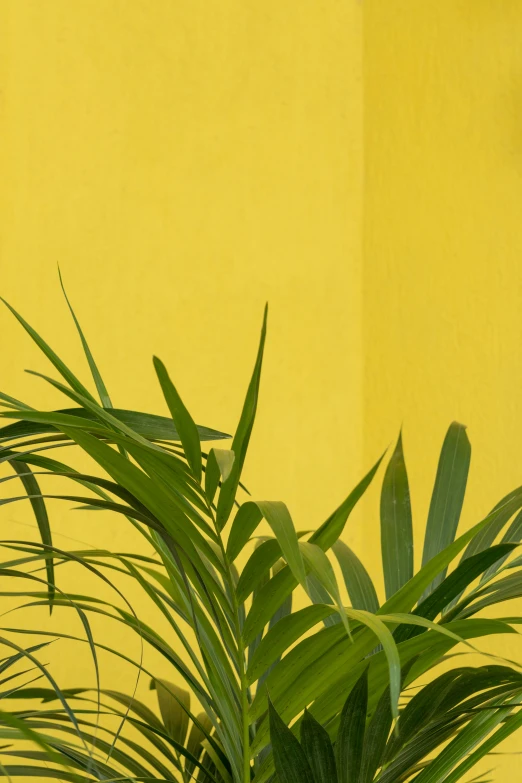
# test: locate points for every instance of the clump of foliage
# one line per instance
(341, 672)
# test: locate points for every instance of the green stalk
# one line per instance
(182, 771)
(244, 705)
(242, 673)
(241, 662)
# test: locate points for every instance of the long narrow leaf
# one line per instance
(100, 386)
(145, 424)
(290, 760)
(318, 750)
(64, 371)
(182, 419)
(360, 587)
(448, 495)
(350, 738)
(242, 437)
(40, 512)
(396, 524)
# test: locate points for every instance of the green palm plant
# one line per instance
(250, 664)
(462, 715)
(22, 742)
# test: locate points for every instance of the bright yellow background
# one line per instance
(357, 165)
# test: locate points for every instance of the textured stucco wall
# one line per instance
(185, 162)
(442, 285)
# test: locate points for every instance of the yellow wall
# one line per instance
(185, 161)
(442, 288)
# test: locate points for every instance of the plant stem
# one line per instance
(244, 708)
(241, 662)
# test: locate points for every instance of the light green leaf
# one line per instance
(318, 563)
(195, 739)
(278, 517)
(279, 638)
(272, 595)
(358, 583)
(174, 704)
(219, 467)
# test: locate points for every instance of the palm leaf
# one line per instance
(350, 738)
(290, 759)
(396, 524)
(448, 495)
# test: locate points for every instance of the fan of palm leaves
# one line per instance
(248, 664)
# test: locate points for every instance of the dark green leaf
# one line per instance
(242, 437)
(100, 386)
(182, 419)
(465, 573)
(330, 530)
(350, 738)
(318, 750)
(290, 760)
(40, 512)
(396, 524)
(513, 534)
(145, 424)
(407, 596)
(64, 371)
(247, 519)
(448, 495)
(377, 733)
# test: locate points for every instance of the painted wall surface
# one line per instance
(442, 288)
(184, 162)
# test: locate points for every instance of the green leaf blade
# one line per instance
(350, 738)
(98, 380)
(37, 501)
(182, 419)
(318, 750)
(396, 524)
(448, 495)
(360, 587)
(242, 436)
(46, 349)
(290, 760)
